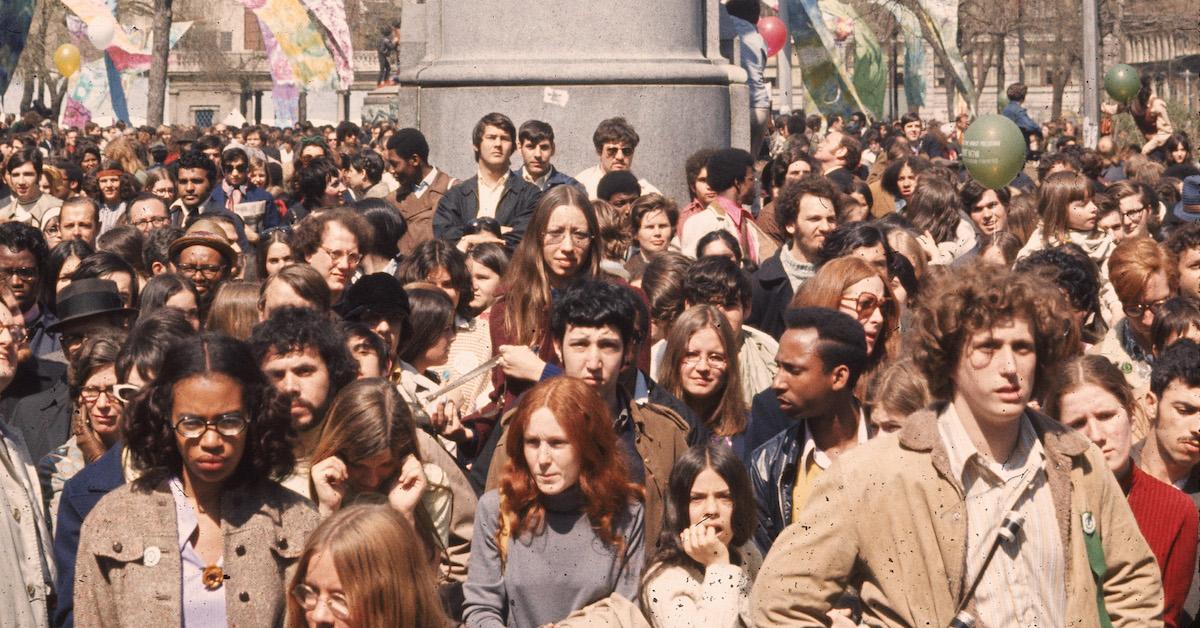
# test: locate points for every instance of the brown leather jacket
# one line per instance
(418, 212)
(127, 571)
(660, 439)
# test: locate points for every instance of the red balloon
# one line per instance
(774, 33)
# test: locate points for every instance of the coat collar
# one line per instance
(920, 433)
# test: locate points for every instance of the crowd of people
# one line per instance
(259, 376)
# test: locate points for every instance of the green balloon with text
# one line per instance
(1122, 82)
(993, 150)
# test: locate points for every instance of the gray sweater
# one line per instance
(548, 575)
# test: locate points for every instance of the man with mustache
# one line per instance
(492, 193)
(980, 509)
(1171, 450)
(306, 357)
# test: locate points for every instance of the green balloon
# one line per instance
(993, 150)
(1122, 82)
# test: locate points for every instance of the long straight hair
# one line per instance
(728, 414)
(1084, 370)
(935, 207)
(527, 301)
(676, 519)
(369, 417)
(603, 474)
(377, 556)
(1058, 191)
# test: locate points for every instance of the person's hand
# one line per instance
(329, 478)
(466, 242)
(841, 618)
(702, 544)
(409, 488)
(928, 244)
(447, 420)
(520, 362)
(85, 436)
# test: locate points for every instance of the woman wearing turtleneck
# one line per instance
(545, 543)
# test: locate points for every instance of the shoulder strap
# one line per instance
(1095, 552)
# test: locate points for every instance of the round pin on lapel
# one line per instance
(1089, 523)
(151, 556)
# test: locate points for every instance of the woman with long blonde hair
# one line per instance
(361, 568)
(561, 245)
(700, 367)
(121, 150)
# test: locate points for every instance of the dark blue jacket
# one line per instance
(211, 207)
(557, 178)
(1029, 127)
(460, 206)
(252, 194)
(773, 476)
(772, 293)
(79, 496)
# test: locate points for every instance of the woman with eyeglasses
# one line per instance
(205, 536)
(363, 567)
(559, 248)
(852, 286)
(700, 367)
(96, 419)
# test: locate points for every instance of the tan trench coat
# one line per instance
(889, 517)
(265, 526)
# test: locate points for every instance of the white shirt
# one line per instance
(590, 180)
(419, 189)
(490, 195)
(1022, 586)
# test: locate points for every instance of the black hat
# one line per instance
(85, 298)
(378, 293)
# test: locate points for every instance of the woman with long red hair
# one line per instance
(565, 529)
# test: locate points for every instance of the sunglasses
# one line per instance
(866, 304)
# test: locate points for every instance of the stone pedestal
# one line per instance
(573, 63)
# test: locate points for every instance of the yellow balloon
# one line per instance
(66, 59)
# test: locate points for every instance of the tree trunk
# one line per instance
(1001, 75)
(157, 97)
(1059, 80)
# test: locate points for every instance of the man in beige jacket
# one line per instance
(978, 507)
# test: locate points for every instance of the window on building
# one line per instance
(204, 117)
(253, 39)
(226, 41)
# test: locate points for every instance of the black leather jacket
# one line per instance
(773, 476)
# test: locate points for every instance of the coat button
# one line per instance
(283, 544)
(117, 547)
(240, 550)
(17, 515)
(243, 596)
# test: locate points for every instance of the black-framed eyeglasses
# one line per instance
(24, 273)
(209, 270)
(230, 424)
(308, 598)
(1137, 310)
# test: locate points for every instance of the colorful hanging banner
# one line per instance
(298, 39)
(824, 78)
(15, 18)
(941, 17)
(330, 17)
(870, 71)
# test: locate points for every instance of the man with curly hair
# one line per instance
(980, 508)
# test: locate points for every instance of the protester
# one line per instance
(565, 528)
(705, 564)
(363, 567)
(1090, 394)
(227, 559)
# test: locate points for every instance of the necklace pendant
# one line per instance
(213, 577)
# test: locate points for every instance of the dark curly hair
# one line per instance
(1071, 270)
(978, 298)
(292, 329)
(150, 434)
(788, 204)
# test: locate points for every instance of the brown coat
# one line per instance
(264, 524)
(418, 212)
(889, 518)
(661, 438)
